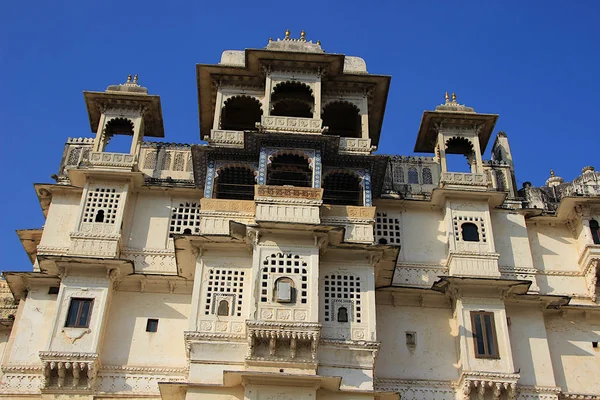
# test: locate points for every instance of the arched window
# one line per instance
(241, 113)
(99, 216)
(461, 146)
(342, 189)
(427, 178)
(342, 314)
(413, 175)
(595, 230)
(235, 183)
(119, 126)
(342, 118)
(289, 169)
(292, 99)
(470, 232)
(223, 308)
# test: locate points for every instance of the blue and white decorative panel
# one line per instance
(317, 170)
(367, 185)
(262, 166)
(210, 179)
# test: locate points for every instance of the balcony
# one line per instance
(288, 204)
(66, 371)
(216, 214)
(278, 343)
(357, 221)
(291, 125)
(474, 181)
(356, 146)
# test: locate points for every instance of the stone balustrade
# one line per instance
(347, 212)
(288, 204)
(357, 221)
(283, 340)
(96, 159)
(356, 145)
(475, 264)
(69, 371)
(263, 191)
(226, 138)
(463, 179)
(291, 125)
(227, 206)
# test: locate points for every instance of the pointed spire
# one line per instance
(447, 98)
(128, 78)
(135, 79)
(453, 97)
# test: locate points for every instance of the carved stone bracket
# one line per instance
(291, 335)
(484, 382)
(69, 371)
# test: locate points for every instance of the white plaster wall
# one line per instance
(215, 393)
(529, 343)
(61, 220)
(435, 355)
(576, 363)
(31, 332)
(511, 239)
(149, 227)
(423, 236)
(126, 341)
(553, 247)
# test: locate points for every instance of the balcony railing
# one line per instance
(226, 138)
(97, 159)
(291, 124)
(285, 341)
(356, 145)
(288, 192)
(463, 179)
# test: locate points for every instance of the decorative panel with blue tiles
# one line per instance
(210, 180)
(367, 185)
(317, 170)
(262, 166)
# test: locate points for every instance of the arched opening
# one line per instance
(342, 118)
(413, 175)
(235, 183)
(289, 169)
(117, 135)
(470, 232)
(223, 308)
(457, 149)
(241, 113)
(99, 216)
(187, 231)
(342, 314)
(341, 188)
(292, 99)
(595, 231)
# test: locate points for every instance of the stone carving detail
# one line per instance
(291, 124)
(226, 138)
(461, 178)
(487, 382)
(289, 192)
(348, 212)
(76, 371)
(356, 145)
(237, 206)
(116, 160)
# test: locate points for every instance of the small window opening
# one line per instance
(595, 345)
(241, 113)
(342, 189)
(99, 216)
(152, 325)
(223, 308)
(187, 231)
(118, 133)
(595, 231)
(484, 334)
(383, 241)
(284, 290)
(53, 290)
(289, 169)
(342, 315)
(236, 183)
(343, 119)
(411, 339)
(79, 313)
(457, 149)
(470, 232)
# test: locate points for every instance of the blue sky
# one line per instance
(533, 62)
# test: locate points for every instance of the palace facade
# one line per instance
(284, 259)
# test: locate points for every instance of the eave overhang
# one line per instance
(30, 239)
(207, 76)
(493, 197)
(430, 121)
(55, 265)
(508, 286)
(549, 301)
(153, 121)
(44, 193)
(19, 282)
(565, 208)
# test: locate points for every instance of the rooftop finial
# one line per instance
(551, 172)
(319, 42)
(135, 78)
(270, 39)
(447, 98)
(453, 97)
(128, 78)
(287, 33)
(303, 35)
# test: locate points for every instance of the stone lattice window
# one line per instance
(413, 175)
(342, 291)
(179, 163)
(73, 157)
(188, 167)
(387, 229)
(185, 219)
(224, 292)
(398, 174)
(458, 222)
(150, 160)
(101, 205)
(427, 178)
(165, 160)
(286, 265)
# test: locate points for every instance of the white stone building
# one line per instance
(284, 260)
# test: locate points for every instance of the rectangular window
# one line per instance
(152, 325)
(80, 311)
(484, 334)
